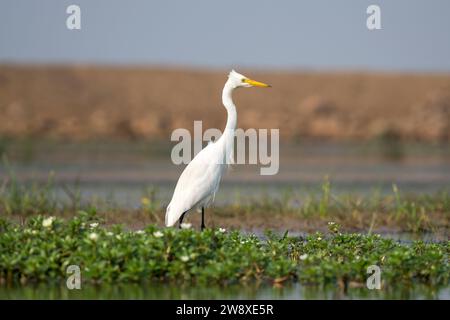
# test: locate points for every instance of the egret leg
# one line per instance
(181, 220)
(203, 219)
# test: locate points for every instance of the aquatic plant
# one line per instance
(42, 248)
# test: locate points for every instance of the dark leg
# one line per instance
(181, 220)
(203, 219)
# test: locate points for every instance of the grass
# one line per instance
(393, 212)
(406, 212)
(28, 200)
(41, 249)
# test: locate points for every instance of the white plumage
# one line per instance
(200, 180)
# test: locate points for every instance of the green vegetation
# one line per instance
(401, 212)
(42, 233)
(43, 247)
(306, 211)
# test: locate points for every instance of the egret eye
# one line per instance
(243, 80)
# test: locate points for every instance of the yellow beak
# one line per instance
(256, 83)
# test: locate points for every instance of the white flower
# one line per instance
(93, 236)
(158, 234)
(109, 234)
(319, 238)
(47, 223)
(304, 256)
(118, 237)
(140, 232)
(184, 258)
(34, 232)
(222, 230)
(94, 225)
(186, 226)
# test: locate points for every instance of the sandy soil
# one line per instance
(83, 102)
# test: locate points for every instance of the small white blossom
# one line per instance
(109, 234)
(140, 232)
(94, 225)
(304, 256)
(222, 230)
(319, 238)
(47, 223)
(93, 236)
(158, 234)
(184, 258)
(186, 226)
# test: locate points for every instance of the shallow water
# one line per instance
(122, 170)
(160, 291)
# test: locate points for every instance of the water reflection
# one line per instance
(173, 291)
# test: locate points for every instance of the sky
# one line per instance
(266, 34)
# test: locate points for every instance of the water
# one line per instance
(160, 291)
(123, 170)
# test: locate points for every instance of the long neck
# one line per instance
(227, 100)
(227, 138)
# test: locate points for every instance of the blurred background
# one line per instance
(97, 106)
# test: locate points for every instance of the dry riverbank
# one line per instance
(83, 102)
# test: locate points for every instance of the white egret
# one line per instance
(200, 180)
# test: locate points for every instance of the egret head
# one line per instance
(238, 80)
